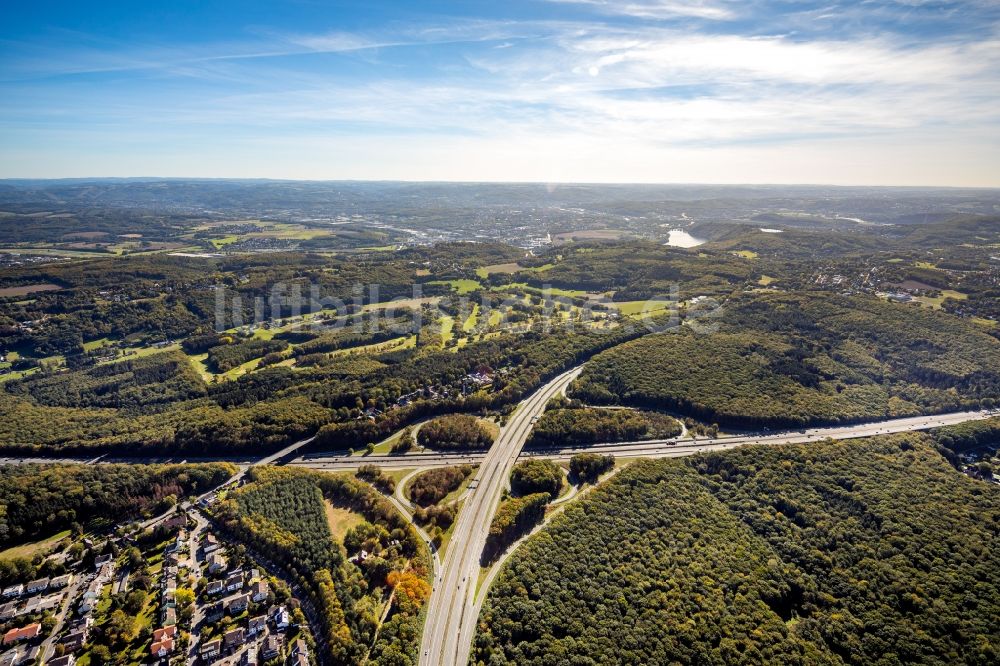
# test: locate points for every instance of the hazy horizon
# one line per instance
(544, 183)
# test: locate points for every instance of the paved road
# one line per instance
(48, 646)
(451, 617)
(401, 486)
(452, 612)
(402, 508)
(663, 448)
(231, 481)
(201, 524)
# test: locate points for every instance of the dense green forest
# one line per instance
(228, 356)
(141, 382)
(514, 518)
(536, 476)
(432, 486)
(969, 435)
(37, 500)
(124, 357)
(643, 270)
(455, 431)
(281, 515)
(864, 552)
(589, 466)
(159, 297)
(566, 427)
(132, 413)
(793, 359)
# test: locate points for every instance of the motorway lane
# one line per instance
(664, 448)
(651, 447)
(452, 613)
(451, 619)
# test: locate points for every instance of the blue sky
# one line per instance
(874, 92)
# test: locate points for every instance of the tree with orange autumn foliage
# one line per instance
(406, 582)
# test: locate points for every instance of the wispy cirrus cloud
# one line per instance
(647, 79)
(661, 9)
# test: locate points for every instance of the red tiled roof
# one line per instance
(166, 644)
(21, 634)
(164, 632)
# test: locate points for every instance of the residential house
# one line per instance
(10, 607)
(8, 611)
(259, 591)
(298, 659)
(164, 632)
(271, 648)
(175, 522)
(249, 657)
(280, 617)
(37, 586)
(90, 597)
(168, 616)
(215, 612)
(300, 647)
(13, 591)
(60, 582)
(83, 624)
(65, 660)
(106, 572)
(102, 560)
(74, 641)
(237, 605)
(234, 583)
(210, 545)
(216, 587)
(161, 649)
(234, 638)
(256, 625)
(23, 634)
(216, 563)
(210, 650)
(50, 602)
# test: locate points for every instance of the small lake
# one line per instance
(681, 238)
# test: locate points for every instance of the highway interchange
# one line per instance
(662, 448)
(452, 608)
(451, 620)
